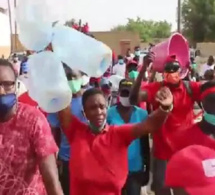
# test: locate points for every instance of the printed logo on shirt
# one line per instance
(209, 167)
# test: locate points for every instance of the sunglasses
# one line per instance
(172, 67)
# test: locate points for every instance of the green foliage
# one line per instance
(147, 29)
(198, 18)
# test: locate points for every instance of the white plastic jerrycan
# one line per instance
(80, 51)
(48, 85)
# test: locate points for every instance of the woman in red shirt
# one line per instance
(98, 162)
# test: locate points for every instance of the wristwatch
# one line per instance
(170, 108)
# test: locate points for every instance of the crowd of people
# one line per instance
(97, 146)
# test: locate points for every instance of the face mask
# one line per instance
(137, 53)
(85, 80)
(6, 103)
(133, 74)
(96, 129)
(172, 78)
(75, 85)
(121, 62)
(124, 101)
(210, 118)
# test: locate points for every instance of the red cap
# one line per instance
(132, 62)
(171, 58)
(192, 169)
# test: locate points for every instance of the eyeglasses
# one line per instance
(7, 85)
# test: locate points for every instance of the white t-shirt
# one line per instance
(20, 88)
(25, 81)
(119, 69)
(204, 68)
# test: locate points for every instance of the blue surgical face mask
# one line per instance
(6, 103)
(210, 118)
(121, 61)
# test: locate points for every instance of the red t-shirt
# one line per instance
(181, 116)
(24, 141)
(191, 136)
(98, 163)
(26, 99)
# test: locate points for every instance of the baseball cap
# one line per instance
(171, 64)
(192, 169)
(125, 84)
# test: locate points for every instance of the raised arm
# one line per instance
(158, 117)
(65, 118)
(137, 95)
(129, 132)
(69, 123)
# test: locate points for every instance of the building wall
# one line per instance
(4, 51)
(114, 39)
(206, 49)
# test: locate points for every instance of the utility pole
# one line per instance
(179, 16)
(16, 34)
(11, 28)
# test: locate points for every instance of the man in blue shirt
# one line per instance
(75, 82)
(138, 151)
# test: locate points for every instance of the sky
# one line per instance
(102, 15)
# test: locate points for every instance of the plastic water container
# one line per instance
(48, 85)
(175, 45)
(80, 51)
(5, 42)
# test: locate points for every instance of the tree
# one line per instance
(198, 19)
(147, 29)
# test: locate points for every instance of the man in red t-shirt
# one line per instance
(191, 171)
(182, 115)
(99, 162)
(27, 147)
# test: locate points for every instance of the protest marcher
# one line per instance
(129, 56)
(75, 82)
(191, 171)
(209, 75)
(202, 133)
(28, 163)
(106, 89)
(98, 161)
(120, 67)
(132, 70)
(86, 81)
(16, 63)
(208, 66)
(138, 151)
(185, 94)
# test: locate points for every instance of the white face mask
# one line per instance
(85, 80)
(124, 101)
